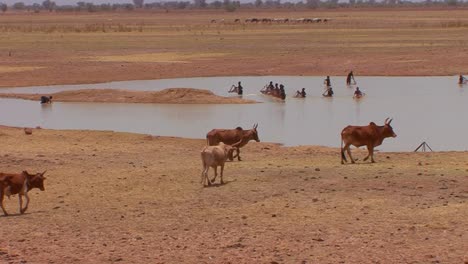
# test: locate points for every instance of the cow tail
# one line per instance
(343, 156)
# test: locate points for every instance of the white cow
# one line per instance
(214, 156)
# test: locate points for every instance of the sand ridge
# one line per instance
(166, 96)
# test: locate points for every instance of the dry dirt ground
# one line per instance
(129, 198)
(166, 96)
(56, 48)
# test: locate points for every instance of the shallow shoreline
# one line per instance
(166, 96)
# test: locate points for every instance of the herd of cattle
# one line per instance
(276, 20)
(221, 144)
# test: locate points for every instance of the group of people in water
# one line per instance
(279, 92)
(275, 90)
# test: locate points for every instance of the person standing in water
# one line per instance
(237, 89)
(462, 80)
(327, 81)
(301, 94)
(348, 79)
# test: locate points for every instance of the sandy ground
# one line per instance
(57, 48)
(129, 198)
(166, 96)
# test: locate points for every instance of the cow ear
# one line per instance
(25, 172)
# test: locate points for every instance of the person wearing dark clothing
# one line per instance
(327, 81)
(237, 89)
(462, 80)
(46, 99)
(329, 92)
(282, 92)
(357, 93)
(240, 89)
(270, 86)
(348, 79)
(301, 94)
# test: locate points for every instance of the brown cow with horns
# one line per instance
(231, 137)
(21, 184)
(370, 136)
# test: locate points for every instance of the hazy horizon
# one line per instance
(70, 2)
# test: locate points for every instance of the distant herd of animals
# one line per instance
(221, 144)
(275, 20)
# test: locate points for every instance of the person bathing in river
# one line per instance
(329, 92)
(46, 99)
(327, 81)
(237, 89)
(348, 79)
(301, 94)
(357, 93)
(282, 92)
(267, 88)
(462, 80)
(276, 91)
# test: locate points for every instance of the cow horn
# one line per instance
(390, 121)
(43, 173)
(386, 120)
(255, 126)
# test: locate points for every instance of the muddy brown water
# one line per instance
(427, 109)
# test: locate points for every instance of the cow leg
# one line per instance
(204, 174)
(20, 198)
(343, 155)
(221, 175)
(1, 201)
(238, 154)
(216, 174)
(27, 203)
(348, 149)
(371, 153)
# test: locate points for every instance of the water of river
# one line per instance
(424, 109)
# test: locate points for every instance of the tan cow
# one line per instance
(20, 184)
(214, 156)
(231, 136)
(370, 136)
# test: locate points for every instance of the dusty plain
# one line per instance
(128, 198)
(56, 48)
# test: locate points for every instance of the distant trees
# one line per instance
(138, 3)
(3, 7)
(19, 6)
(49, 5)
(227, 5)
(200, 3)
